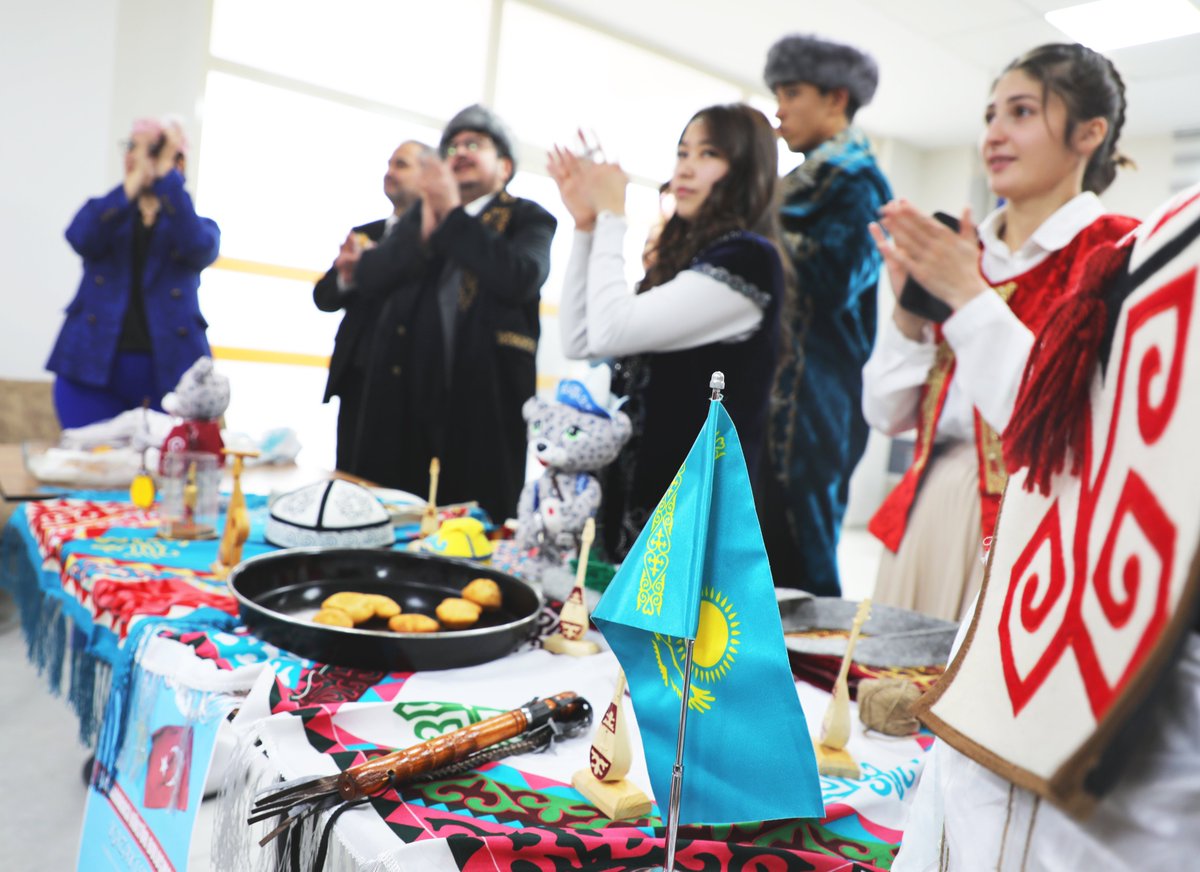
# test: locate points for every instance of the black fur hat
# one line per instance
(482, 120)
(800, 58)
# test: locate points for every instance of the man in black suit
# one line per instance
(335, 291)
(455, 346)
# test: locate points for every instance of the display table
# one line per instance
(15, 481)
(128, 623)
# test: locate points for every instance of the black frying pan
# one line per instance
(279, 592)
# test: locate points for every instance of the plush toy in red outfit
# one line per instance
(200, 398)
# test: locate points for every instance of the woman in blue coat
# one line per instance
(135, 323)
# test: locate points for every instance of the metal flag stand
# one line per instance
(717, 384)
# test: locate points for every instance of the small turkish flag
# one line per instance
(169, 768)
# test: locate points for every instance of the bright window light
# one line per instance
(636, 102)
(1108, 24)
(389, 51)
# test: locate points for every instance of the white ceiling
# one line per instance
(937, 58)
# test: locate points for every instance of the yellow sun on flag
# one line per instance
(717, 637)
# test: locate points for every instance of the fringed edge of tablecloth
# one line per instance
(235, 842)
(121, 694)
(20, 578)
(50, 633)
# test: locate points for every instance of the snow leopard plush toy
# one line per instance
(574, 437)
(200, 399)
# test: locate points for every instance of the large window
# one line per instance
(290, 173)
(391, 51)
(305, 101)
(555, 76)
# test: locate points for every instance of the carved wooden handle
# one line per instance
(375, 775)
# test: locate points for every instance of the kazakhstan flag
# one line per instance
(699, 571)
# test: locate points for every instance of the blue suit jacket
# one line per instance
(181, 245)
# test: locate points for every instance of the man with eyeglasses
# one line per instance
(453, 353)
(336, 291)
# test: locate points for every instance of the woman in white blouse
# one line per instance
(709, 301)
(1049, 148)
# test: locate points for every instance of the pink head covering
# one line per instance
(156, 126)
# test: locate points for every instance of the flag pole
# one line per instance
(717, 384)
(677, 770)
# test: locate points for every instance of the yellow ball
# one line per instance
(141, 491)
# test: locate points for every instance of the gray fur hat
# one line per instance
(800, 58)
(482, 120)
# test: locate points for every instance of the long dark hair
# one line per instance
(1091, 87)
(743, 199)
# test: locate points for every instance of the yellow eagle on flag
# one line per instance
(712, 657)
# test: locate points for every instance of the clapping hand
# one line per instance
(168, 150)
(139, 172)
(607, 182)
(569, 173)
(349, 254)
(439, 193)
(586, 185)
(946, 263)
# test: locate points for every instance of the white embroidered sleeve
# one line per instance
(692, 309)
(892, 379)
(572, 308)
(991, 347)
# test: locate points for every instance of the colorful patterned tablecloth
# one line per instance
(96, 589)
(523, 807)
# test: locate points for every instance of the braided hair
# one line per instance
(1090, 87)
(1049, 419)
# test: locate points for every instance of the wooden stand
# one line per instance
(237, 520)
(603, 782)
(429, 518)
(557, 643)
(836, 762)
(573, 620)
(618, 800)
(188, 530)
(833, 760)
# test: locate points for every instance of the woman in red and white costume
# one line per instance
(1049, 148)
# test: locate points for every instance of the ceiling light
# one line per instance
(1108, 24)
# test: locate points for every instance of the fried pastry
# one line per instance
(384, 606)
(484, 593)
(413, 623)
(333, 618)
(356, 605)
(457, 614)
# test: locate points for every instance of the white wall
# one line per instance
(56, 99)
(1138, 192)
(162, 49)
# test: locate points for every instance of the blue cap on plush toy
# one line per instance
(573, 393)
